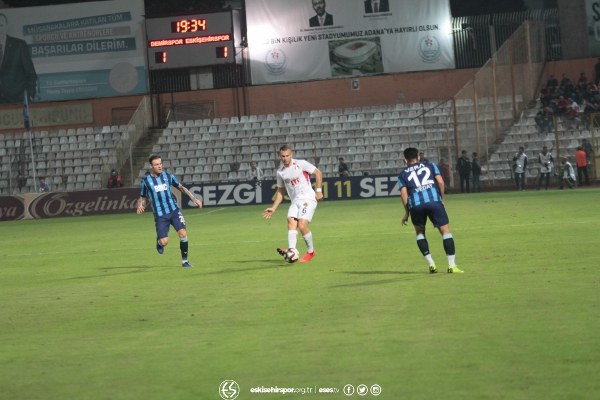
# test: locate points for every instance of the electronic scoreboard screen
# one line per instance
(191, 40)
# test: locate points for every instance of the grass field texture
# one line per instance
(91, 311)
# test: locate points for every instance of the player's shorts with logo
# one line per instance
(163, 223)
(302, 209)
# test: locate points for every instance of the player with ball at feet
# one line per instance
(293, 177)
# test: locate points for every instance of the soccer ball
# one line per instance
(291, 255)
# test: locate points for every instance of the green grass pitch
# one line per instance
(89, 310)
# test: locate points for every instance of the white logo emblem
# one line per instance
(229, 390)
(429, 49)
(275, 61)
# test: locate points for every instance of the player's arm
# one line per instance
(404, 197)
(189, 194)
(268, 213)
(141, 205)
(318, 183)
(441, 185)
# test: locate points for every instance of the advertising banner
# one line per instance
(12, 208)
(592, 10)
(218, 194)
(73, 51)
(298, 40)
(240, 193)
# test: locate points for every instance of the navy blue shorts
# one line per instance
(435, 211)
(163, 223)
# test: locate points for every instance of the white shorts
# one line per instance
(302, 209)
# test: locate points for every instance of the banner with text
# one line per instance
(80, 50)
(292, 40)
(241, 193)
(592, 8)
(217, 194)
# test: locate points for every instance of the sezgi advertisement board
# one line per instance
(219, 194)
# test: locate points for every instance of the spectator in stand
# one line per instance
(343, 169)
(463, 166)
(476, 170)
(572, 115)
(552, 84)
(42, 185)
(562, 105)
(546, 96)
(255, 173)
(582, 82)
(581, 163)
(546, 162)
(543, 120)
(566, 86)
(114, 180)
(444, 168)
(519, 167)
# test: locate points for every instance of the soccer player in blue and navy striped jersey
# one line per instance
(156, 186)
(422, 191)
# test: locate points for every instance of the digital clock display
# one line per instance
(192, 40)
(188, 25)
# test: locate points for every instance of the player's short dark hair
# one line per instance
(154, 157)
(411, 153)
(285, 147)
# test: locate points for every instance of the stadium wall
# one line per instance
(291, 97)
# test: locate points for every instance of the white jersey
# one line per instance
(546, 162)
(296, 180)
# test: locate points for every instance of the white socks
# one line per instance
(292, 239)
(309, 242)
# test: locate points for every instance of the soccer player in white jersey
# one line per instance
(293, 177)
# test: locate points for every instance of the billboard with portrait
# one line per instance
(75, 51)
(298, 40)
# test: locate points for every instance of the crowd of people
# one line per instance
(573, 101)
(564, 171)
(469, 172)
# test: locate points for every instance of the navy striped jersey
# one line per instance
(158, 190)
(419, 180)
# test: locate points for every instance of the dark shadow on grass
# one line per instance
(124, 271)
(395, 272)
(273, 264)
(410, 276)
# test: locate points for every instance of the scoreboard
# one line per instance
(192, 40)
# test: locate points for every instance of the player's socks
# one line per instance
(183, 246)
(159, 248)
(448, 242)
(451, 260)
(424, 248)
(308, 239)
(292, 239)
(185, 264)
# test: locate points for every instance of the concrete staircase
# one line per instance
(139, 155)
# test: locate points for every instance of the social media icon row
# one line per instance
(362, 390)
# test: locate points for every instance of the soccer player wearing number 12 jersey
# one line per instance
(422, 193)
